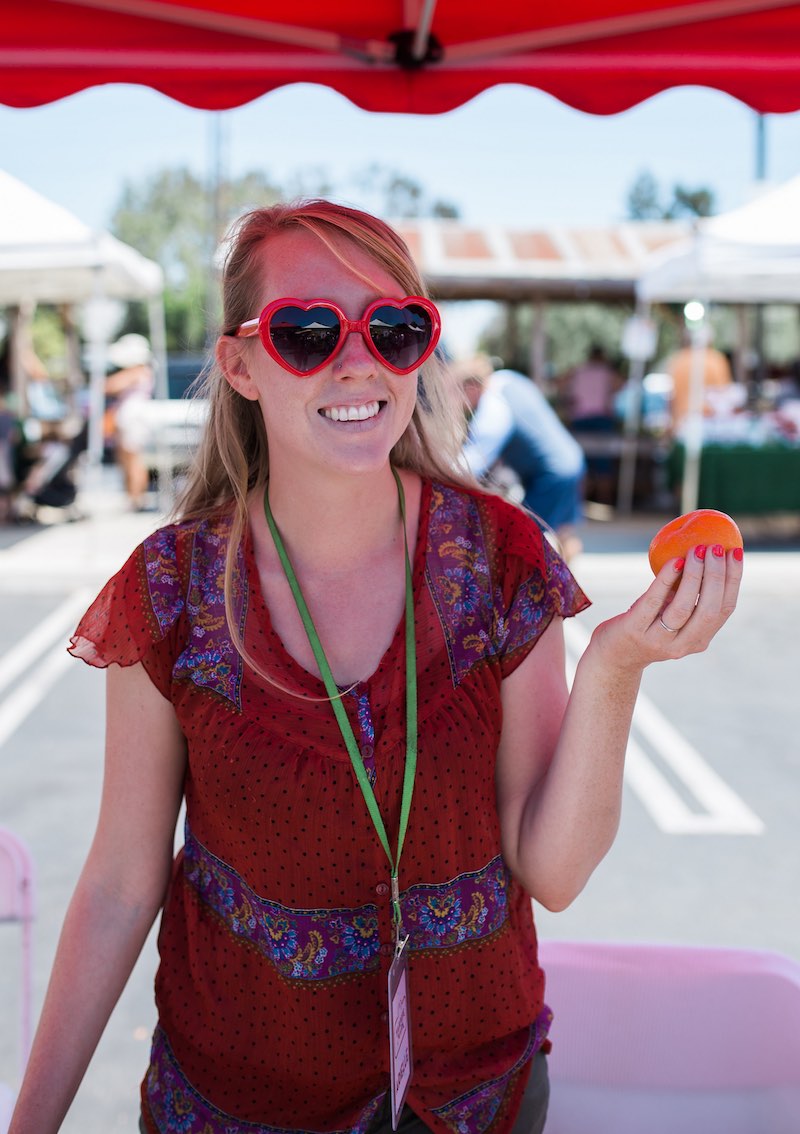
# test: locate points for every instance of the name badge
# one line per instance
(401, 1062)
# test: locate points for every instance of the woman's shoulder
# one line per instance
(185, 536)
(477, 509)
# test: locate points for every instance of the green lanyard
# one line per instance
(341, 715)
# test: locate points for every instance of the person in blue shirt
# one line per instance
(513, 424)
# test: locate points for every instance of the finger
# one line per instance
(734, 572)
(685, 592)
(716, 599)
(661, 591)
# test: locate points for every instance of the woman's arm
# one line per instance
(118, 895)
(561, 757)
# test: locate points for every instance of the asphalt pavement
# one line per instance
(708, 849)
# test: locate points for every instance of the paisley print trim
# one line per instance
(163, 580)
(301, 944)
(459, 578)
(474, 1112)
(476, 624)
(326, 943)
(176, 1107)
(470, 907)
(210, 659)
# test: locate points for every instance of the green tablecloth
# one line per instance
(743, 479)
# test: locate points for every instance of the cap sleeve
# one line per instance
(536, 585)
(136, 615)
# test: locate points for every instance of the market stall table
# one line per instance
(744, 479)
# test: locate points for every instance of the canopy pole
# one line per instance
(538, 361)
(742, 344)
(633, 420)
(158, 344)
(66, 313)
(423, 30)
(19, 318)
(693, 434)
(98, 329)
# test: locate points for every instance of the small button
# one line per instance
(382, 889)
(368, 751)
(386, 949)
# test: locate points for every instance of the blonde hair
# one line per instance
(233, 457)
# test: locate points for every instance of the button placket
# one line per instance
(366, 731)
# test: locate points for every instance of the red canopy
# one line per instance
(420, 56)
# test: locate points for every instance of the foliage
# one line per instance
(571, 329)
(399, 196)
(645, 201)
(48, 340)
(178, 220)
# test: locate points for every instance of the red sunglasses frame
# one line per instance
(261, 326)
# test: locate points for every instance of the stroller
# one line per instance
(46, 469)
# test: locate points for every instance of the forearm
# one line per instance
(570, 820)
(100, 942)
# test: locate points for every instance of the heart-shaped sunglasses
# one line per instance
(305, 336)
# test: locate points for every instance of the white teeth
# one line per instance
(352, 413)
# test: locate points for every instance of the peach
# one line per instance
(703, 527)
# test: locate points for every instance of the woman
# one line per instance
(383, 826)
(130, 388)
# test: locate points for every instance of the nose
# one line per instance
(355, 357)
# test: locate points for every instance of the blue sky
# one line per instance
(513, 155)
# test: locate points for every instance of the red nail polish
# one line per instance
(718, 550)
(738, 554)
(680, 564)
(700, 552)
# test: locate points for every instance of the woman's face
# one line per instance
(306, 418)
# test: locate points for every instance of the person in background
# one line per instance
(10, 435)
(347, 660)
(588, 392)
(513, 423)
(128, 389)
(717, 375)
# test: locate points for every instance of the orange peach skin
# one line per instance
(705, 526)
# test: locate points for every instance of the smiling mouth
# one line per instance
(352, 413)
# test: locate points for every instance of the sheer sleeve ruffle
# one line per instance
(136, 616)
(536, 584)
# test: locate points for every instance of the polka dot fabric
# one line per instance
(276, 936)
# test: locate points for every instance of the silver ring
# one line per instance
(668, 629)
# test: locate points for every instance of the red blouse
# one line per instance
(276, 934)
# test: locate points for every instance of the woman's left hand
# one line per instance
(679, 613)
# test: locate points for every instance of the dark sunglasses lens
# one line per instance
(401, 334)
(304, 339)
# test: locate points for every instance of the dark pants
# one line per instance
(530, 1119)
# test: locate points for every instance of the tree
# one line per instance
(571, 329)
(400, 196)
(645, 202)
(691, 202)
(178, 220)
(643, 199)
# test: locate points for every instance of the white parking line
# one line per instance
(50, 632)
(719, 810)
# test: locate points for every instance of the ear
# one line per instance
(232, 361)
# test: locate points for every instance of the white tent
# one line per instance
(750, 255)
(47, 255)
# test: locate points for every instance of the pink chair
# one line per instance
(17, 905)
(654, 1039)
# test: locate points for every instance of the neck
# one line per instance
(334, 524)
